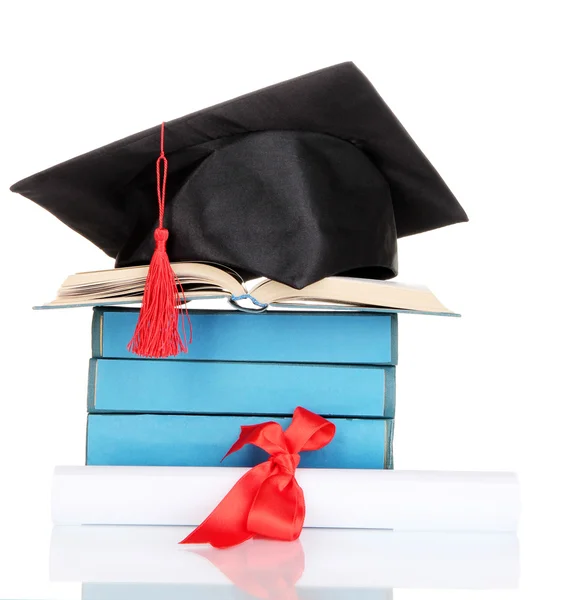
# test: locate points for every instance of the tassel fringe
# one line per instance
(157, 332)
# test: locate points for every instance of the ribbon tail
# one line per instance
(278, 510)
(227, 525)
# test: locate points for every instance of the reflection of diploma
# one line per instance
(344, 498)
(326, 559)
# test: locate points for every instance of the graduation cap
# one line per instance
(298, 181)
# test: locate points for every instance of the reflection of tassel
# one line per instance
(157, 332)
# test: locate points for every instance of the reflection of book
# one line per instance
(125, 285)
(173, 591)
(191, 440)
(235, 388)
(333, 559)
(340, 337)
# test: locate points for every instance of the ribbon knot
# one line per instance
(286, 462)
(267, 500)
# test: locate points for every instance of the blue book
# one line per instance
(208, 387)
(202, 441)
(308, 337)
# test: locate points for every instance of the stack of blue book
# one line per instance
(243, 369)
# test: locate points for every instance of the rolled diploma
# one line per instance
(336, 498)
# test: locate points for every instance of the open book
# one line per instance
(200, 280)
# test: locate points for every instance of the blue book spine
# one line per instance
(208, 387)
(202, 441)
(308, 337)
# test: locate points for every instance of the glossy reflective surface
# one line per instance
(97, 562)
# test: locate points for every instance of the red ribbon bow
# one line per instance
(267, 500)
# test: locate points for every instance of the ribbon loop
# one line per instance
(308, 431)
(267, 500)
(268, 436)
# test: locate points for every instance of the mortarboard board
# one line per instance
(298, 181)
(295, 182)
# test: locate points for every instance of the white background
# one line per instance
(484, 89)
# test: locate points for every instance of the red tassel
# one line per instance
(157, 332)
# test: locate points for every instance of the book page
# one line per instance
(351, 291)
(128, 283)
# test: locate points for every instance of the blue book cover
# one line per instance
(198, 440)
(280, 336)
(209, 387)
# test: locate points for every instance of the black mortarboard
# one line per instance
(305, 179)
